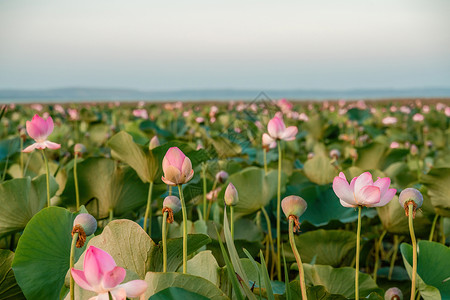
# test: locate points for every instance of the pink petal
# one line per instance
(96, 263)
(363, 180)
(368, 196)
(49, 123)
(172, 174)
(386, 197)
(342, 175)
(383, 184)
(114, 277)
(168, 182)
(35, 131)
(119, 294)
(175, 157)
(134, 288)
(102, 296)
(267, 140)
(189, 177)
(276, 127)
(52, 145)
(342, 189)
(30, 148)
(290, 133)
(273, 145)
(345, 204)
(81, 280)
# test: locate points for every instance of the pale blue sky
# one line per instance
(143, 44)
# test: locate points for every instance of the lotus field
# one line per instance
(227, 200)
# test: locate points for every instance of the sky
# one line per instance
(171, 45)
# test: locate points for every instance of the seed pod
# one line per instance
(393, 294)
(293, 206)
(172, 202)
(410, 194)
(88, 222)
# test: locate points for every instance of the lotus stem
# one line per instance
(47, 173)
(208, 211)
(148, 210)
(75, 178)
(72, 262)
(394, 256)
(269, 234)
(164, 241)
(414, 245)
(441, 227)
(111, 214)
(301, 272)
(358, 240)
(279, 214)
(183, 210)
(21, 157)
(378, 247)
(204, 189)
(433, 226)
(265, 161)
(170, 190)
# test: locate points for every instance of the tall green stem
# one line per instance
(358, 240)
(208, 211)
(232, 222)
(394, 256)
(204, 189)
(269, 234)
(279, 214)
(148, 210)
(75, 177)
(21, 157)
(265, 161)
(414, 245)
(72, 262)
(301, 273)
(441, 227)
(433, 226)
(183, 210)
(111, 215)
(164, 241)
(378, 246)
(47, 173)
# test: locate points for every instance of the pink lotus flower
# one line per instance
(101, 275)
(177, 167)
(278, 131)
(140, 113)
(389, 120)
(39, 130)
(362, 191)
(284, 105)
(418, 118)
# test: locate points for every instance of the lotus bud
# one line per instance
(231, 195)
(222, 176)
(293, 206)
(310, 155)
(335, 153)
(172, 202)
(154, 142)
(177, 167)
(171, 205)
(414, 150)
(409, 195)
(85, 225)
(79, 149)
(393, 294)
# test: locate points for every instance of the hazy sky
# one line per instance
(224, 44)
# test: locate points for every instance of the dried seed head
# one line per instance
(87, 222)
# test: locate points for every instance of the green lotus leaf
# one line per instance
(320, 170)
(437, 182)
(9, 289)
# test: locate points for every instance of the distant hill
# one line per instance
(105, 94)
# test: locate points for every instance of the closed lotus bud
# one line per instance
(231, 195)
(393, 294)
(79, 149)
(87, 221)
(410, 194)
(293, 206)
(177, 167)
(154, 142)
(172, 202)
(310, 155)
(414, 150)
(222, 176)
(335, 153)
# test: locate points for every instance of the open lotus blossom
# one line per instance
(177, 167)
(362, 191)
(101, 275)
(278, 131)
(39, 130)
